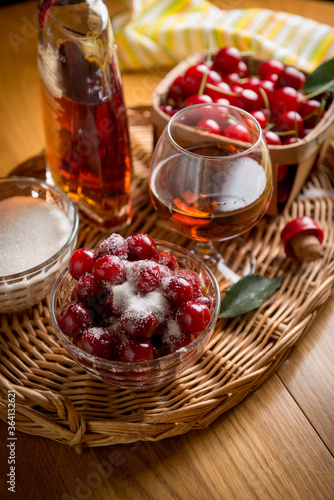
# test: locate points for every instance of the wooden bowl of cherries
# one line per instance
(296, 124)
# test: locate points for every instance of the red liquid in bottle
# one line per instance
(88, 156)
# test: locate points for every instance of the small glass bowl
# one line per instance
(145, 374)
(24, 289)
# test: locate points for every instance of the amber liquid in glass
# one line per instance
(88, 149)
(210, 205)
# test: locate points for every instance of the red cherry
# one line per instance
(197, 99)
(283, 190)
(302, 97)
(97, 342)
(214, 77)
(291, 139)
(135, 352)
(220, 115)
(147, 275)
(110, 269)
(282, 171)
(291, 77)
(231, 78)
(272, 78)
(289, 121)
(193, 78)
(243, 69)
(87, 287)
(74, 319)
(272, 138)
(237, 132)
(166, 259)
(204, 299)
(248, 100)
(177, 290)
(115, 244)
(176, 91)
(118, 340)
(305, 131)
(251, 83)
(193, 278)
(228, 59)
(311, 111)
(81, 262)
(140, 324)
(284, 99)
(168, 109)
(178, 342)
(210, 125)
(265, 87)
(89, 292)
(260, 116)
(271, 67)
(140, 246)
(222, 101)
(195, 114)
(237, 90)
(193, 317)
(222, 89)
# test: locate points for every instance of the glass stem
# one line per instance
(206, 251)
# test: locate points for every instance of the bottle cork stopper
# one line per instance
(306, 247)
(302, 239)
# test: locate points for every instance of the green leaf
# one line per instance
(322, 78)
(247, 294)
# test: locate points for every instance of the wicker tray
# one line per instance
(57, 399)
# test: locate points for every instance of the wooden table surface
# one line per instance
(276, 444)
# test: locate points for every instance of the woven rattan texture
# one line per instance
(57, 399)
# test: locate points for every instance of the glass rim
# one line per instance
(172, 120)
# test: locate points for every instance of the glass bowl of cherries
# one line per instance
(135, 312)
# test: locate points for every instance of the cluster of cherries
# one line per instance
(131, 302)
(274, 97)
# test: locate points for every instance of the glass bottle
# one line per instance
(87, 138)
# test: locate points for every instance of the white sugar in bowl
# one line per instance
(38, 233)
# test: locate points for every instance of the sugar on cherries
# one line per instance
(131, 302)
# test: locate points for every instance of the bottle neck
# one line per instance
(83, 17)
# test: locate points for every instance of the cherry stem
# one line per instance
(265, 98)
(222, 91)
(204, 77)
(269, 126)
(203, 83)
(287, 132)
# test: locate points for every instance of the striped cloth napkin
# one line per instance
(163, 32)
